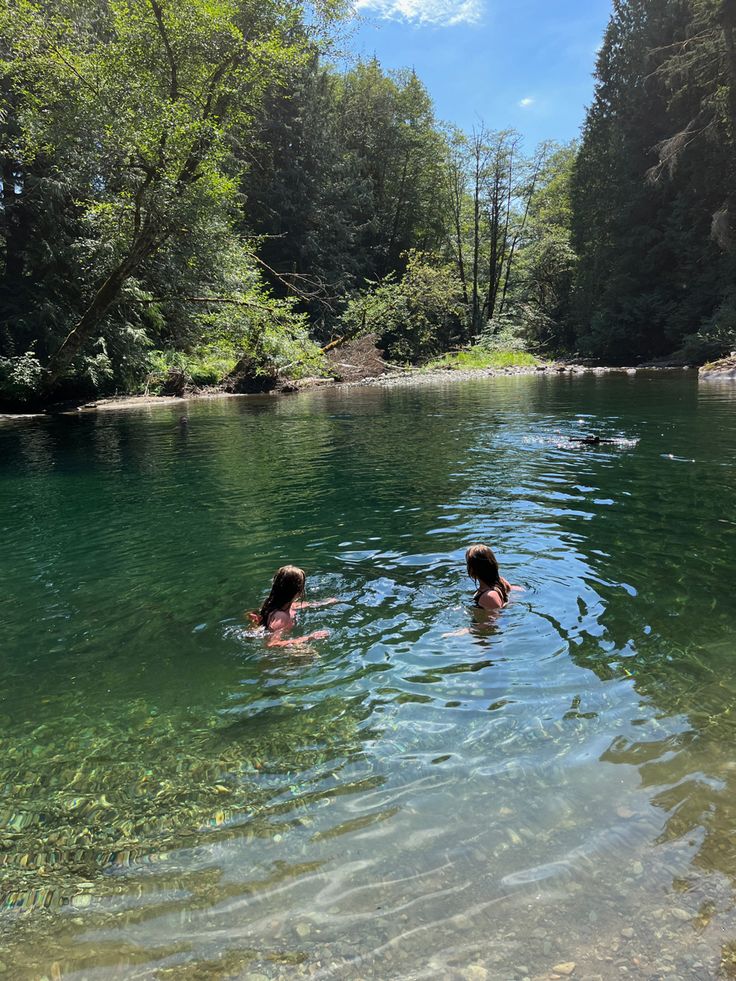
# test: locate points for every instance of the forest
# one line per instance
(191, 185)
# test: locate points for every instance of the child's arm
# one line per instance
(276, 639)
(305, 604)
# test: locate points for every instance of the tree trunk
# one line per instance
(728, 21)
(493, 279)
(457, 206)
(14, 225)
(398, 212)
(520, 232)
(476, 243)
(144, 245)
(11, 174)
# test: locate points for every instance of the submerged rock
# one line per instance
(680, 914)
(475, 972)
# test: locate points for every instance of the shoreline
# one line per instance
(390, 379)
(419, 376)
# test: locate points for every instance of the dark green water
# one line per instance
(180, 802)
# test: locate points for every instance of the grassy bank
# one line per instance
(478, 357)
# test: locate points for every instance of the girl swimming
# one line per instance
(278, 613)
(493, 590)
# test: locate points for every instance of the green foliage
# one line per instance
(414, 317)
(347, 178)
(479, 357)
(202, 368)
(287, 349)
(503, 343)
(505, 334)
(547, 262)
(653, 184)
(20, 376)
(715, 339)
(186, 184)
(118, 177)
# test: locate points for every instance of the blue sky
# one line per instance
(525, 64)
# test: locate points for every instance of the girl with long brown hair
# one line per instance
(278, 612)
(493, 590)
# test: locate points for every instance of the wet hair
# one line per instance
(483, 565)
(287, 585)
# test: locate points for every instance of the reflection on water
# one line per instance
(554, 788)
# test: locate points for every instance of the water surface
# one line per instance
(556, 786)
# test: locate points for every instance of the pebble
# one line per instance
(303, 929)
(638, 868)
(565, 969)
(680, 914)
(475, 972)
(628, 933)
(3, 967)
(522, 969)
(82, 901)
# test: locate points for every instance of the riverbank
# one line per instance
(432, 376)
(389, 379)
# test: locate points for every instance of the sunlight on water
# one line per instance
(555, 788)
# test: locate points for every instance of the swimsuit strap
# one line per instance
(482, 592)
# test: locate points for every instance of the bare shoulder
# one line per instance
(490, 600)
(279, 620)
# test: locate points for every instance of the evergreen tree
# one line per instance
(650, 271)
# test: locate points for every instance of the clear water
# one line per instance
(556, 787)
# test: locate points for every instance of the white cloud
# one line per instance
(526, 103)
(445, 13)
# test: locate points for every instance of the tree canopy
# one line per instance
(194, 182)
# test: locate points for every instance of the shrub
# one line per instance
(505, 333)
(479, 357)
(414, 317)
(20, 377)
(716, 338)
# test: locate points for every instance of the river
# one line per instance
(554, 788)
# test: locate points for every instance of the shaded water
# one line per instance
(559, 786)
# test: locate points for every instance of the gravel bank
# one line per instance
(420, 377)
